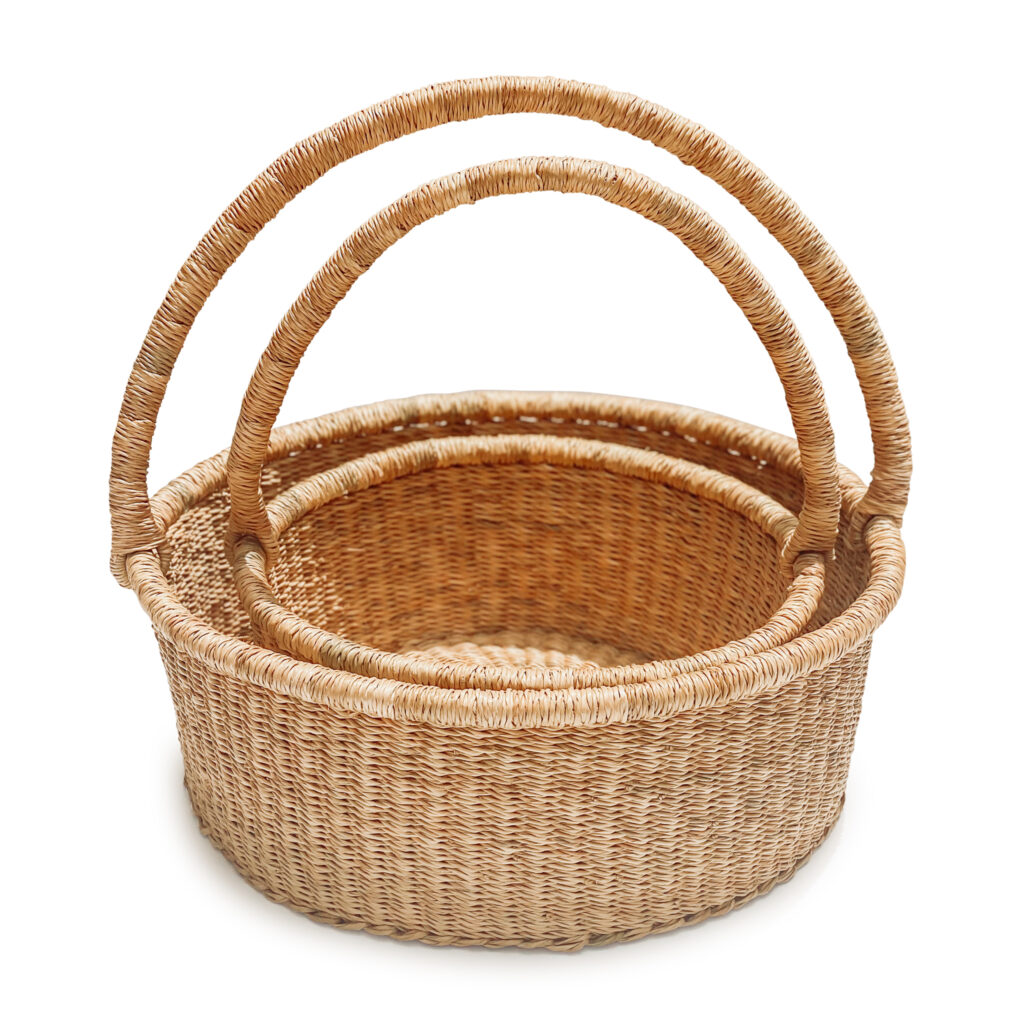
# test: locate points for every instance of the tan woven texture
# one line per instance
(708, 548)
(533, 544)
(610, 678)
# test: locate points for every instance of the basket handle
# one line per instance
(133, 526)
(819, 518)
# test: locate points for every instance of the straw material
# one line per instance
(494, 560)
(562, 588)
(262, 402)
(134, 528)
(613, 717)
(548, 818)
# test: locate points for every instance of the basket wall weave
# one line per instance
(536, 561)
(395, 814)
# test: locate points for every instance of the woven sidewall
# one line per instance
(530, 574)
(553, 832)
(540, 837)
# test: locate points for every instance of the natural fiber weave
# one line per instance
(520, 544)
(133, 526)
(710, 594)
(816, 529)
(554, 816)
(549, 818)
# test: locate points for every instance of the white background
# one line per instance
(129, 127)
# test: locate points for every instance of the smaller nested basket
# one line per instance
(522, 570)
(533, 560)
(480, 807)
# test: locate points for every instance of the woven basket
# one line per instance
(498, 561)
(590, 810)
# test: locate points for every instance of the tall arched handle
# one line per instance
(819, 518)
(133, 526)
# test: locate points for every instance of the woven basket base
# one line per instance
(568, 945)
(441, 557)
(533, 649)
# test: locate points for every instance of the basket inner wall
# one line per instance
(539, 558)
(200, 576)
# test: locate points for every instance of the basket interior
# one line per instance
(529, 566)
(558, 565)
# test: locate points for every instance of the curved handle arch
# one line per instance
(133, 526)
(819, 518)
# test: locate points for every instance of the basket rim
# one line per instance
(301, 637)
(347, 693)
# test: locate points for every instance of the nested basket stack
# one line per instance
(516, 668)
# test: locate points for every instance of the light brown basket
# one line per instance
(549, 816)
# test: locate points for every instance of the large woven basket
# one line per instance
(538, 788)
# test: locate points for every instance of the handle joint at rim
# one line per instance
(871, 506)
(792, 563)
(247, 540)
(864, 521)
(862, 516)
(119, 561)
